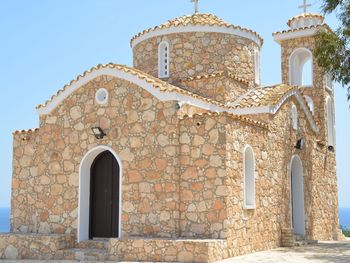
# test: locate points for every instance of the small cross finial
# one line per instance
(305, 6)
(195, 5)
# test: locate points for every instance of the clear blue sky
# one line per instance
(46, 43)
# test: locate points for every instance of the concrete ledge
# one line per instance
(32, 246)
(167, 250)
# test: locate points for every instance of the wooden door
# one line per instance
(104, 197)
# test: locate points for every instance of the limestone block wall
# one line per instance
(317, 93)
(202, 183)
(140, 129)
(259, 228)
(323, 215)
(193, 54)
(24, 180)
(221, 88)
(32, 246)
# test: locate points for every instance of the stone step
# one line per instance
(82, 254)
(299, 243)
(93, 244)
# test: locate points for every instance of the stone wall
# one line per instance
(193, 54)
(165, 250)
(322, 181)
(203, 187)
(139, 128)
(219, 87)
(31, 246)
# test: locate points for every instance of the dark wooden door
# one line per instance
(104, 196)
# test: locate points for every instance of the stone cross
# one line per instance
(305, 6)
(195, 5)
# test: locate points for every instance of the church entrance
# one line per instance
(104, 196)
(297, 196)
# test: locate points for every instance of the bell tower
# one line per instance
(299, 68)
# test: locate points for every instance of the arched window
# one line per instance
(163, 60)
(310, 103)
(330, 122)
(249, 178)
(257, 66)
(294, 117)
(300, 67)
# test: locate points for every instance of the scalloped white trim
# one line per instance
(279, 37)
(170, 96)
(196, 28)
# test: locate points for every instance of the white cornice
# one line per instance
(279, 37)
(197, 28)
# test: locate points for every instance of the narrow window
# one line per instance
(330, 122)
(163, 60)
(257, 66)
(249, 178)
(294, 117)
(310, 103)
(329, 81)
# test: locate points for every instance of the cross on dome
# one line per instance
(195, 5)
(305, 6)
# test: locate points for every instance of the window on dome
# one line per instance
(163, 60)
(257, 66)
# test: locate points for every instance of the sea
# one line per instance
(344, 219)
(4, 220)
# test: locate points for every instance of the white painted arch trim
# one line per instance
(197, 28)
(169, 96)
(84, 190)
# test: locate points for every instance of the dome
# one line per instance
(196, 23)
(305, 20)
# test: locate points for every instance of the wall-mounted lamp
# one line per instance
(331, 148)
(300, 144)
(98, 132)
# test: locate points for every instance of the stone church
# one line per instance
(184, 156)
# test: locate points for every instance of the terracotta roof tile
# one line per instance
(215, 75)
(26, 131)
(325, 26)
(196, 19)
(266, 96)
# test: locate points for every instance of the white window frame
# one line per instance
(257, 66)
(329, 82)
(249, 174)
(294, 117)
(330, 122)
(163, 60)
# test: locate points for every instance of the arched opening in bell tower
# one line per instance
(300, 67)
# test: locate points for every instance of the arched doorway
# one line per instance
(297, 196)
(85, 169)
(104, 196)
